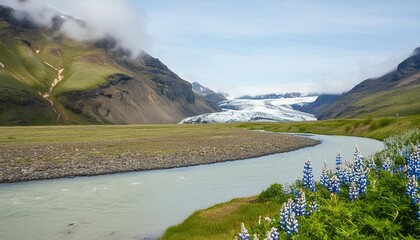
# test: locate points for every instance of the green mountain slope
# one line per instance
(47, 78)
(394, 93)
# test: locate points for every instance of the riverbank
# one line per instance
(34, 153)
(382, 211)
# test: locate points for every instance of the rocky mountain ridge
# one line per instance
(393, 93)
(101, 82)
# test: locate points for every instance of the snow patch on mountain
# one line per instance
(254, 110)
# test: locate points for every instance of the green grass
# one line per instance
(404, 101)
(82, 76)
(93, 133)
(384, 212)
(377, 128)
(221, 221)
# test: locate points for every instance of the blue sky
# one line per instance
(254, 47)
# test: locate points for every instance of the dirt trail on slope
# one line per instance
(51, 89)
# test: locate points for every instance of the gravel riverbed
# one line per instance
(48, 160)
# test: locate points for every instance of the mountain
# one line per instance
(208, 94)
(276, 96)
(394, 93)
(319, 105)
(254, 110)
(47, 78)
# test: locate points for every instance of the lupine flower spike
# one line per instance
(342, 174)
(301, 205)
(313, 207)
(353, 192)
(244, 235)
(292, 206)
(308, 176)
(416, 162)
(325, 179)
(292, 225)
(358, 158)
(284, 215)
(362, 180)
(273, 234)
(412, 189)
(386, 165)
(338, 161)
(334, 186)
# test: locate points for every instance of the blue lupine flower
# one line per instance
(386, 164)
(415, 162)
(244, 235)
(273, 234)
(325, 178)
(301, 205)
(362, 180)
(308, 176)
(415, 198)
(400, 169)
(334, 186)
(292, 206)
(338, 161)
(313, 207)
(358, 159)
(284, 215)
(342, 174)
(292, 225)
(353, 192)
(412, 190)
(351, 176)
(356, 152)
(411, 186)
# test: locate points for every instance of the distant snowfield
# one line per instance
(256, 110)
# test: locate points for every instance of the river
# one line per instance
(139, 205)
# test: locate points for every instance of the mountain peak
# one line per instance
(201, 90)
(416, 51)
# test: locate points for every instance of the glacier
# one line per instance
(256, 110)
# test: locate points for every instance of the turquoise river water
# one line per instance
(141, 205)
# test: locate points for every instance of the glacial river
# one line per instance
(141, 205)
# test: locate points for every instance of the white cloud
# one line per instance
(118, 18)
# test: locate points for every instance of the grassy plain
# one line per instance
(29, 153)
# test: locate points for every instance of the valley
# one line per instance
(117, 120)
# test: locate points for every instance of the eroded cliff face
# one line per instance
(125, 99)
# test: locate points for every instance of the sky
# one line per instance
(258, 47)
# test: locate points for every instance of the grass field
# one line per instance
(40, 152)
(376, 128)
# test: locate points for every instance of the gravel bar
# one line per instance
(35, 161)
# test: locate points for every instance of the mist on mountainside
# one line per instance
(91, 20)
